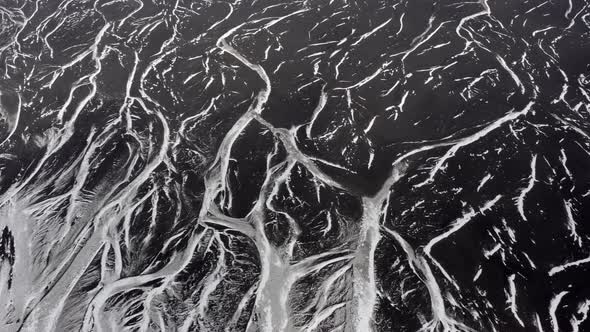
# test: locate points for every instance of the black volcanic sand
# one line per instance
(294, 166)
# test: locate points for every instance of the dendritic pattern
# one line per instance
(318, 165)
